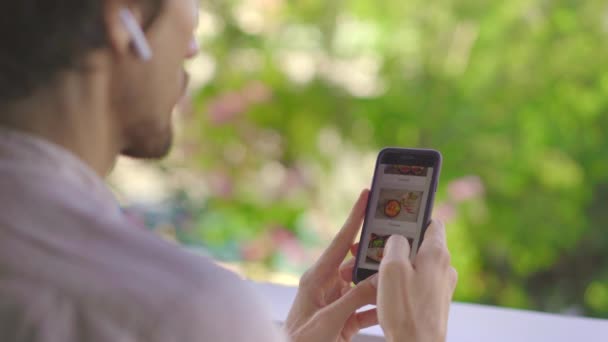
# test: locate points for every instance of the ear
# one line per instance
(118, 36)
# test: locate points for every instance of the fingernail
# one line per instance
(374, 280)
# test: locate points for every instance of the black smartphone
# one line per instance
(401, 202)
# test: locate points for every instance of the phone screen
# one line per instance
(400, 202)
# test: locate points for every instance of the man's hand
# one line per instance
(325, 307)
(414, 299)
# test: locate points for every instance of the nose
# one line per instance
(193, 48)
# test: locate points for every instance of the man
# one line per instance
(78, 87)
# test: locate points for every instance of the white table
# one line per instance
(470, 322)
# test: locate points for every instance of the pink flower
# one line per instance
(445, 212)
(255, 250)
(256, 93)
(226, 107)
(230, 105)
(221, 184)
(288, 244)
(466, 188)
(281, 235)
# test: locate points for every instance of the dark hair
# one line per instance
(41, 38)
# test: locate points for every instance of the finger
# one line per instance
(453, 274)
(358, 321)
(434, 247)
(367, 318)
(397, 250)
(346, 270)
(339, 247)
(436, 231)
(395, 268)
(345, 290)
(362, 294)
(354, 249)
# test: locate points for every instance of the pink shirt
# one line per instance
(72, 268)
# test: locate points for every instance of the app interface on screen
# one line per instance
(397, 206)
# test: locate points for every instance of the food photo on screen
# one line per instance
(406, 170)
(375, 247)
(398, 205)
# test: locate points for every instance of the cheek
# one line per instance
(188, 18)
(171, 48)
(173, 32)
(190, 10)
(166, 67)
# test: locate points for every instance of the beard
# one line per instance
(148, 141)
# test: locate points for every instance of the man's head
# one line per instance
(44, 40)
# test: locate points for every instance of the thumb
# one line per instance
(362, 294)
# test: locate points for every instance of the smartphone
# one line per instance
(401, 202)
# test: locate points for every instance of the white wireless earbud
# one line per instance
(140, 43)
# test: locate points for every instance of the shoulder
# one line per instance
(190, 298)
(224, 308)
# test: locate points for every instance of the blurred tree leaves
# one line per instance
(514, 92)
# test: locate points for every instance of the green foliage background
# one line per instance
(512, 92)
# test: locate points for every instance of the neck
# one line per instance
(73, 115)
